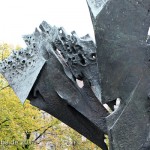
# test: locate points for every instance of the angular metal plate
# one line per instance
(121, 29)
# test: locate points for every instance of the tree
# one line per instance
(26, 127)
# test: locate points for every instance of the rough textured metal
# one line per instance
(96, 6)
(121, 29)
(22, 67)
(80, 56)
(75, 106)
(120, 61)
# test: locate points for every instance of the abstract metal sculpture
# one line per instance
(121, 29)
(46, 73)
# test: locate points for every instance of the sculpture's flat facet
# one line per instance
(69, 109)
(96, 6)
(131, 129)
(121, 29)
(80, 56)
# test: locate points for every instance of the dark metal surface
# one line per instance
(121, 29)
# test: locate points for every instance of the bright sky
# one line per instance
(19, 17)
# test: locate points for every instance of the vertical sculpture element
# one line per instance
(121, 29)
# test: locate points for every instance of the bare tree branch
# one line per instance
(42, 133)
(4, 121)
(4, 87)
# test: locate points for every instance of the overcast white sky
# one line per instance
(19, 17)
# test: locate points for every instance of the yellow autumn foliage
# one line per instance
(27, 127)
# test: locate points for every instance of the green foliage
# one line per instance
(18, 123)
(26, 127)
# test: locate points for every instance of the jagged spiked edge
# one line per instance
(22, 67)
